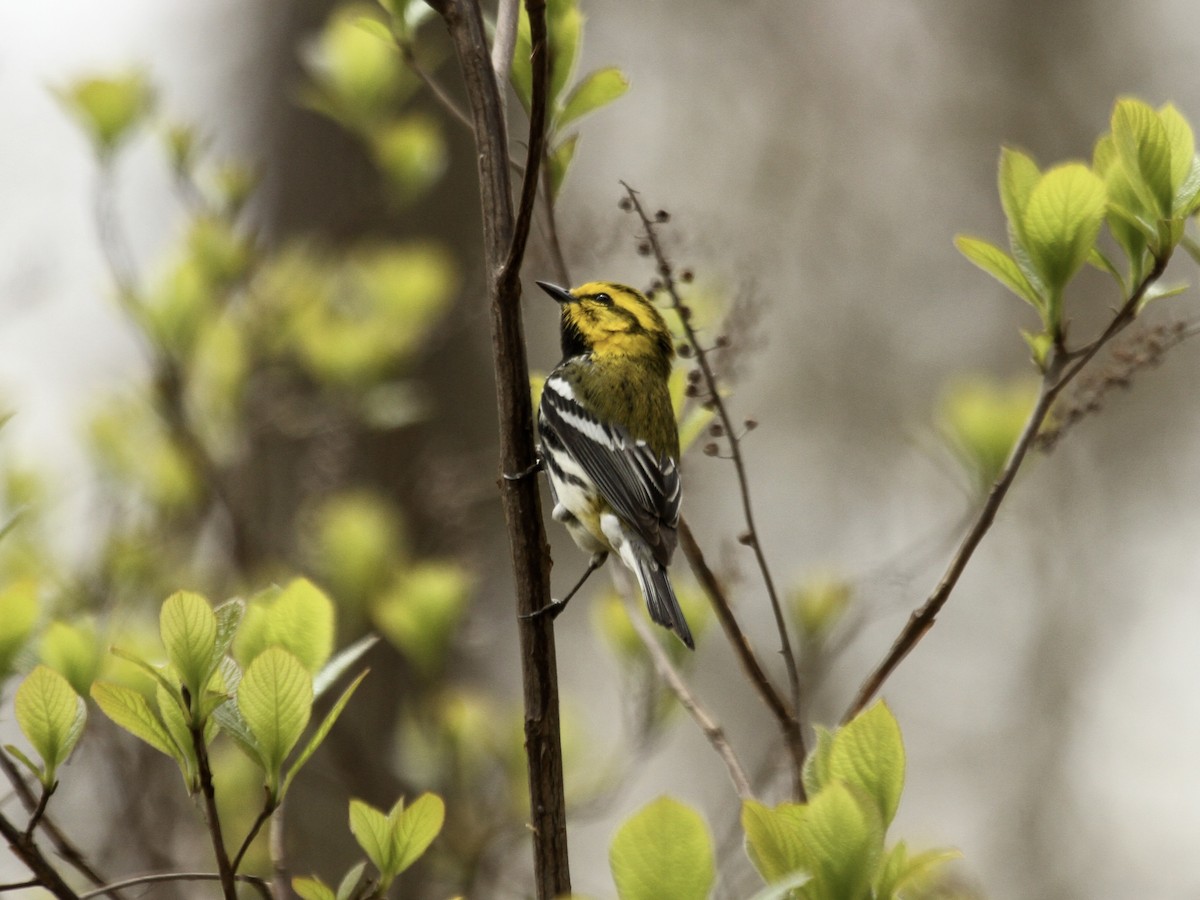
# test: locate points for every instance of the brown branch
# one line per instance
(224, 869)
(25, 848)
(254, 880)
(62, 845)
(1060, 370)
(503, 245)
(263, 815)
(790, 722)
(701, 716)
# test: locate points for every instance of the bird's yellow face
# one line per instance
(608, 320)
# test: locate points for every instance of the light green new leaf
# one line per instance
(999, 265)
(1187, 197)
(372, 830)
(816, 767)
(1144, 148)
(1182, 142)
(109, 108)
(333, 670)
(842, 839)
(229, 616)
(189, 632)
(663, 850)
(51, 716)
(312, 889)
(275, 699)
(1018, 175)
(869, 752)
(176, 723)
(773, 838)
(899, 871)
(1062, 220)
(596, 89)
(229, 718)
(131, 711)
(348, 887)
(321, 733)
(564, 24)
(559, 162)
(298, 618)
(413, 829)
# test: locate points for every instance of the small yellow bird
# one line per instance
(610, 445)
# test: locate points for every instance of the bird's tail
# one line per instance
(660, 599)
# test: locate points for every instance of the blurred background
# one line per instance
(259, 349)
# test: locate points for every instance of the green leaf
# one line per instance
(51, 716)
(1018, 175)
(1062, 220)
(34, 769)
(663, 850)
(816, 767)
(421, 611)
(275, 699)
(413, 829)
(559, 162)
(1182, 142)
(1101, 261)
(132, 711)
(299, 618)
(1187, 196)
(229, 718)
(869, 752)
(109, 108)
(74, 650)
(842, 841)
(594, 90)
(564, 22)
(229, 616)
(18, 616)
(899, 871)
(349, 885)
(154, 672)
(772, 838)
(189, 632)
(1144, 149)
(1000, 266)
(320, 734)
(312, 889)
(372, 830)
(333, 670)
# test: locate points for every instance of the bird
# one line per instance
(609, 442)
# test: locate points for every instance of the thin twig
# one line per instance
(263, 815)
(666, 273)
(260, 883)
(224, 869)
(557, 259)
(435, 87)
(701, 716)
(789, 724)
(40, 809)
(62, 845)
(25, 848)
(1060, 370)
(505, 39)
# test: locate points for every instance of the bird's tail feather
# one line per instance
(660, 599)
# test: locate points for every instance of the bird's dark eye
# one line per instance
(603, 299)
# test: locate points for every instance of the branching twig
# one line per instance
(1060, 370)
(790, 721)
(260, 883)
(25, 848)
(40, 809)
(674, 681)
(263, 815)
(62, 845)
(504, 236)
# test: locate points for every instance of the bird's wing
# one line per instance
(641, 486)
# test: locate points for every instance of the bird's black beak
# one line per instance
(560, 295)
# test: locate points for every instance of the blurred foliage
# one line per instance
(981, 419)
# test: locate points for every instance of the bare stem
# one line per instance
(40, 809)
(224, 869)
(262, 885)
(751, 537)
(263, 815)
(504, 240)
(1060, 370)
(279, 871)
(700, 715)
(789, 724)
(62, 845)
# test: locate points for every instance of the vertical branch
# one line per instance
(224, 868)
(504, 238)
